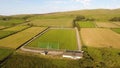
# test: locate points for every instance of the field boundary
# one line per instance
(15, 32)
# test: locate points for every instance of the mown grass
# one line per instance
(12, 30)
(4, 53)
(57, 39)
(16, 40)
(116, 30)
(86, 24)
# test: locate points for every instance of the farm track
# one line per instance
(78, 39)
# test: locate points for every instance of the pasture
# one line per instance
(56, 39)
(12, 30)
(59, 22)
(16, 40)
(86, 24)
(100, 37)
(107, 25)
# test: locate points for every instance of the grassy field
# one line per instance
(100, 37)
(116, 30)
(59, 22)
(85, 24)
(4, 53)
(12, 30)
(107, 25)
(57, 39)
(11, 22)
(16, 40)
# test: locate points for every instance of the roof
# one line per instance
(73, 53)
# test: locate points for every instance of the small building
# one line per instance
(73, 54)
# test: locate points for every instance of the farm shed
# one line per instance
(73, 54)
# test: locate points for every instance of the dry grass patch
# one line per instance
(107, 25)
(118, 23)
(100, 37)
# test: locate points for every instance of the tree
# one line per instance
(115, 19)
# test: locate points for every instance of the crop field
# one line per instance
(4, 53)
(86, 24)
(16, 40)
(116, 30)
(9, 31)
(100, 37)
(60, 22)
(107, 25)
(56, 39)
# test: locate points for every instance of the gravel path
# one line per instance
(78, 39)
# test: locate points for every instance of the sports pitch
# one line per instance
(56, 39)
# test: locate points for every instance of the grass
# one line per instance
(116, 30)
(100, 37)
(107, 25)
(59, 22)
(11, 22)
(85, 24)
(16, 40)
(4, 53)
(57, 39)
(93, 58)
(12, 30)
(25, 60)
(104, 57)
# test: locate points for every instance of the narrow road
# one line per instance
(78, 39)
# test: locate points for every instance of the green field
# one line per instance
(56, 39)
(116, 30)
(86, 24)
(16, 40)
(4, 53)
(12, 30)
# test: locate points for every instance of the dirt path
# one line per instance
(78, 39)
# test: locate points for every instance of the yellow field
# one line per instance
(100, 37)
(61, 22)
(107, 25)
(16, 40)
